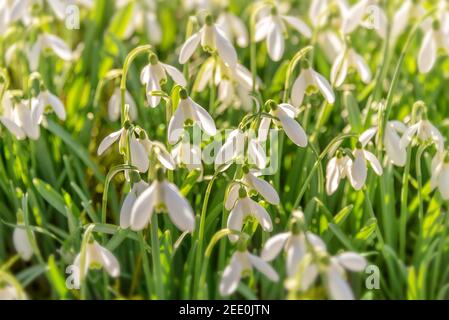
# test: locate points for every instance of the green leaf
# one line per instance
(56, 278)
(367, 230)
(50, 195)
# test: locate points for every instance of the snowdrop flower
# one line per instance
(272, 28)
(97, 257)
(125, 212)
(310, 82)
(233, 27)
(358, 171)
(52, 42)
(155, 74)
(295, 244)
(144, 19)
(114, 105)
(234, 84)
(392, 141)
(434, 40)
(253, 182)
(188, 155)
(409, 9)
(424, 131)
(212, 39)
(364, 13)
(162, 195)
(19, 118)
(241, 264)
(21, 241)
(337, 169)
(347, 60)
(189, 110)
(440, 174)
(286, 114)
(233, 150)
(242, 208)
(47, 99)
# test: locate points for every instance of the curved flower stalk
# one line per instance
(435, 39)
(155, 74)
(424, 130)
(51, 42)
(162, 195)
(96, 257)
(396, 152)
(294, 242)
(114, 105)
(189, 110)
(213, 40)
(144, 19)
(241, 264)
(337, 168)
(21, 240)
(310, 82)
(244, 207)
(348, 60)
(234, 28)
(359, 171)
(240, 147)
(273, 27)
(285, 115)
(440, 174)
(234, 84)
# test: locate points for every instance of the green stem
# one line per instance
(404, 206)
(155, 253)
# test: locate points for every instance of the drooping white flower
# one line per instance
(286, 114)
(188, 155)
(125, 212)
(424, 130)
(265, 189)
(114, 105)
(396, 152)
(440, 174)
(364, 13)
(47, 99)
(347, 60)
(434, 40)
(97, 257)
(234, 28)
(359, 171)
(272, 28)
(19, 118)
(22, 242)
(212, 39)
(245, 207)
(51, 42)
(189, 110)
(155, 74)
(310, 82)
(241, 263)
(337, 169)
(162, 195)
(295, 244)
(233, 150)
(234, 84)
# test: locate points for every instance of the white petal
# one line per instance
(108, 141)
(231, 277)
(295, 253)
(428, 53)
(125, 211)
(375, 164)
(339, 70)
(189, 48)
(299, 25)
(395, 152)
(324, 87)
(299, 90)
(261, 215)
(233, 195)
(332, 176)
(139, 156)
(58, 7)
(275, 42)
(408, 135)
(56, 104)
(264, 188)
(352, 261)
(179, 209)
(26, 122)
(13, 128)
(294, 130)
(443, 184)
(22, 243)
(367, 135)
(225, 49)
(274, 245)
(176, 125)
(262, 27)
(108, 260)
(58, 46)
(263, 267)
(206, 122)
(363, 68)
(143, 207)
(358, 171)
(338, 287)
(235, 220)
(175, 74)
(256, 154)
